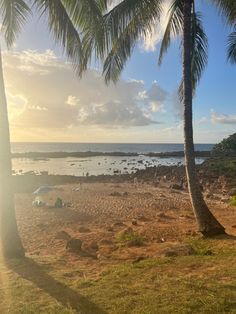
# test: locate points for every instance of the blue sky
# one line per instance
(214, 104)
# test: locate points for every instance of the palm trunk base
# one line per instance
(208, 225)
(13, 250)
(211, 232)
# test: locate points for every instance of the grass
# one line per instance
(131, 238)
(200, 283)
(233, 200)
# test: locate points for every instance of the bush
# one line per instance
(233, 200)
(226, 146)
(130, 237)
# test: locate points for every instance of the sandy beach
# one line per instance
(99, 214)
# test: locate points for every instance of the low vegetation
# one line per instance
(233, 200)
(201, 283)
(226, 146)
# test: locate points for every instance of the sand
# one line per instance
(160, 216)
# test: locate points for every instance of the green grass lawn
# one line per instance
(200, 283)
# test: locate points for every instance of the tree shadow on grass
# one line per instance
(225, 237)
(30, 270)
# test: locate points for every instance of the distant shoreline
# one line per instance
(40, 155)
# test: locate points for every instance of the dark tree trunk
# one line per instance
(10, 240)
(207, 223)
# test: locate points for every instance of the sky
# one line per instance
(48, 103)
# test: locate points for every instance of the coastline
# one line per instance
(37, 155)
(215, 176)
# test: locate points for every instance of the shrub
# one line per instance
(233, 200)
(130, 237)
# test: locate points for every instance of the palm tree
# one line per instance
(66, 20)
(228, 9)
(232, 46)
(123, 26)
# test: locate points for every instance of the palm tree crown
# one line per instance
(123, 26)
(129, 20)
(67, 19)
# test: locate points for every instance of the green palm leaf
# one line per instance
(14, 14)
(227, 8)
(232, 47)
(125, 24)
(199, 53)
(174, 27)
(62, 27)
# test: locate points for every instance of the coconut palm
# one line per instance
(66, 21)
(123, 26)
(232, 46)
(228, 9)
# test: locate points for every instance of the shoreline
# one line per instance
(213, 174)
(40, 155)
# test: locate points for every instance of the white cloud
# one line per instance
(32, 62)
(17, 103)
(72, 101)
(57, 99)
(202, 120)
(222, 118)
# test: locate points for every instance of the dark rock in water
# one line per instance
(84, 230)
(44, 173)
(74, 245)
(62, 235)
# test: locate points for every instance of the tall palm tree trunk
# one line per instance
(207, 223)
(10, 240)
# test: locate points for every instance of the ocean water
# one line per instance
(98, 165)
(103, 147)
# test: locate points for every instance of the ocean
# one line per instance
(103, 147)
(98, 165)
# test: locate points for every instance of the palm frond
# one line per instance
(174, 27)
(87, 15)
(232, 47)
(199, 53)
(227, 9)
(124, 25)
(14, 14)
(61, 24)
